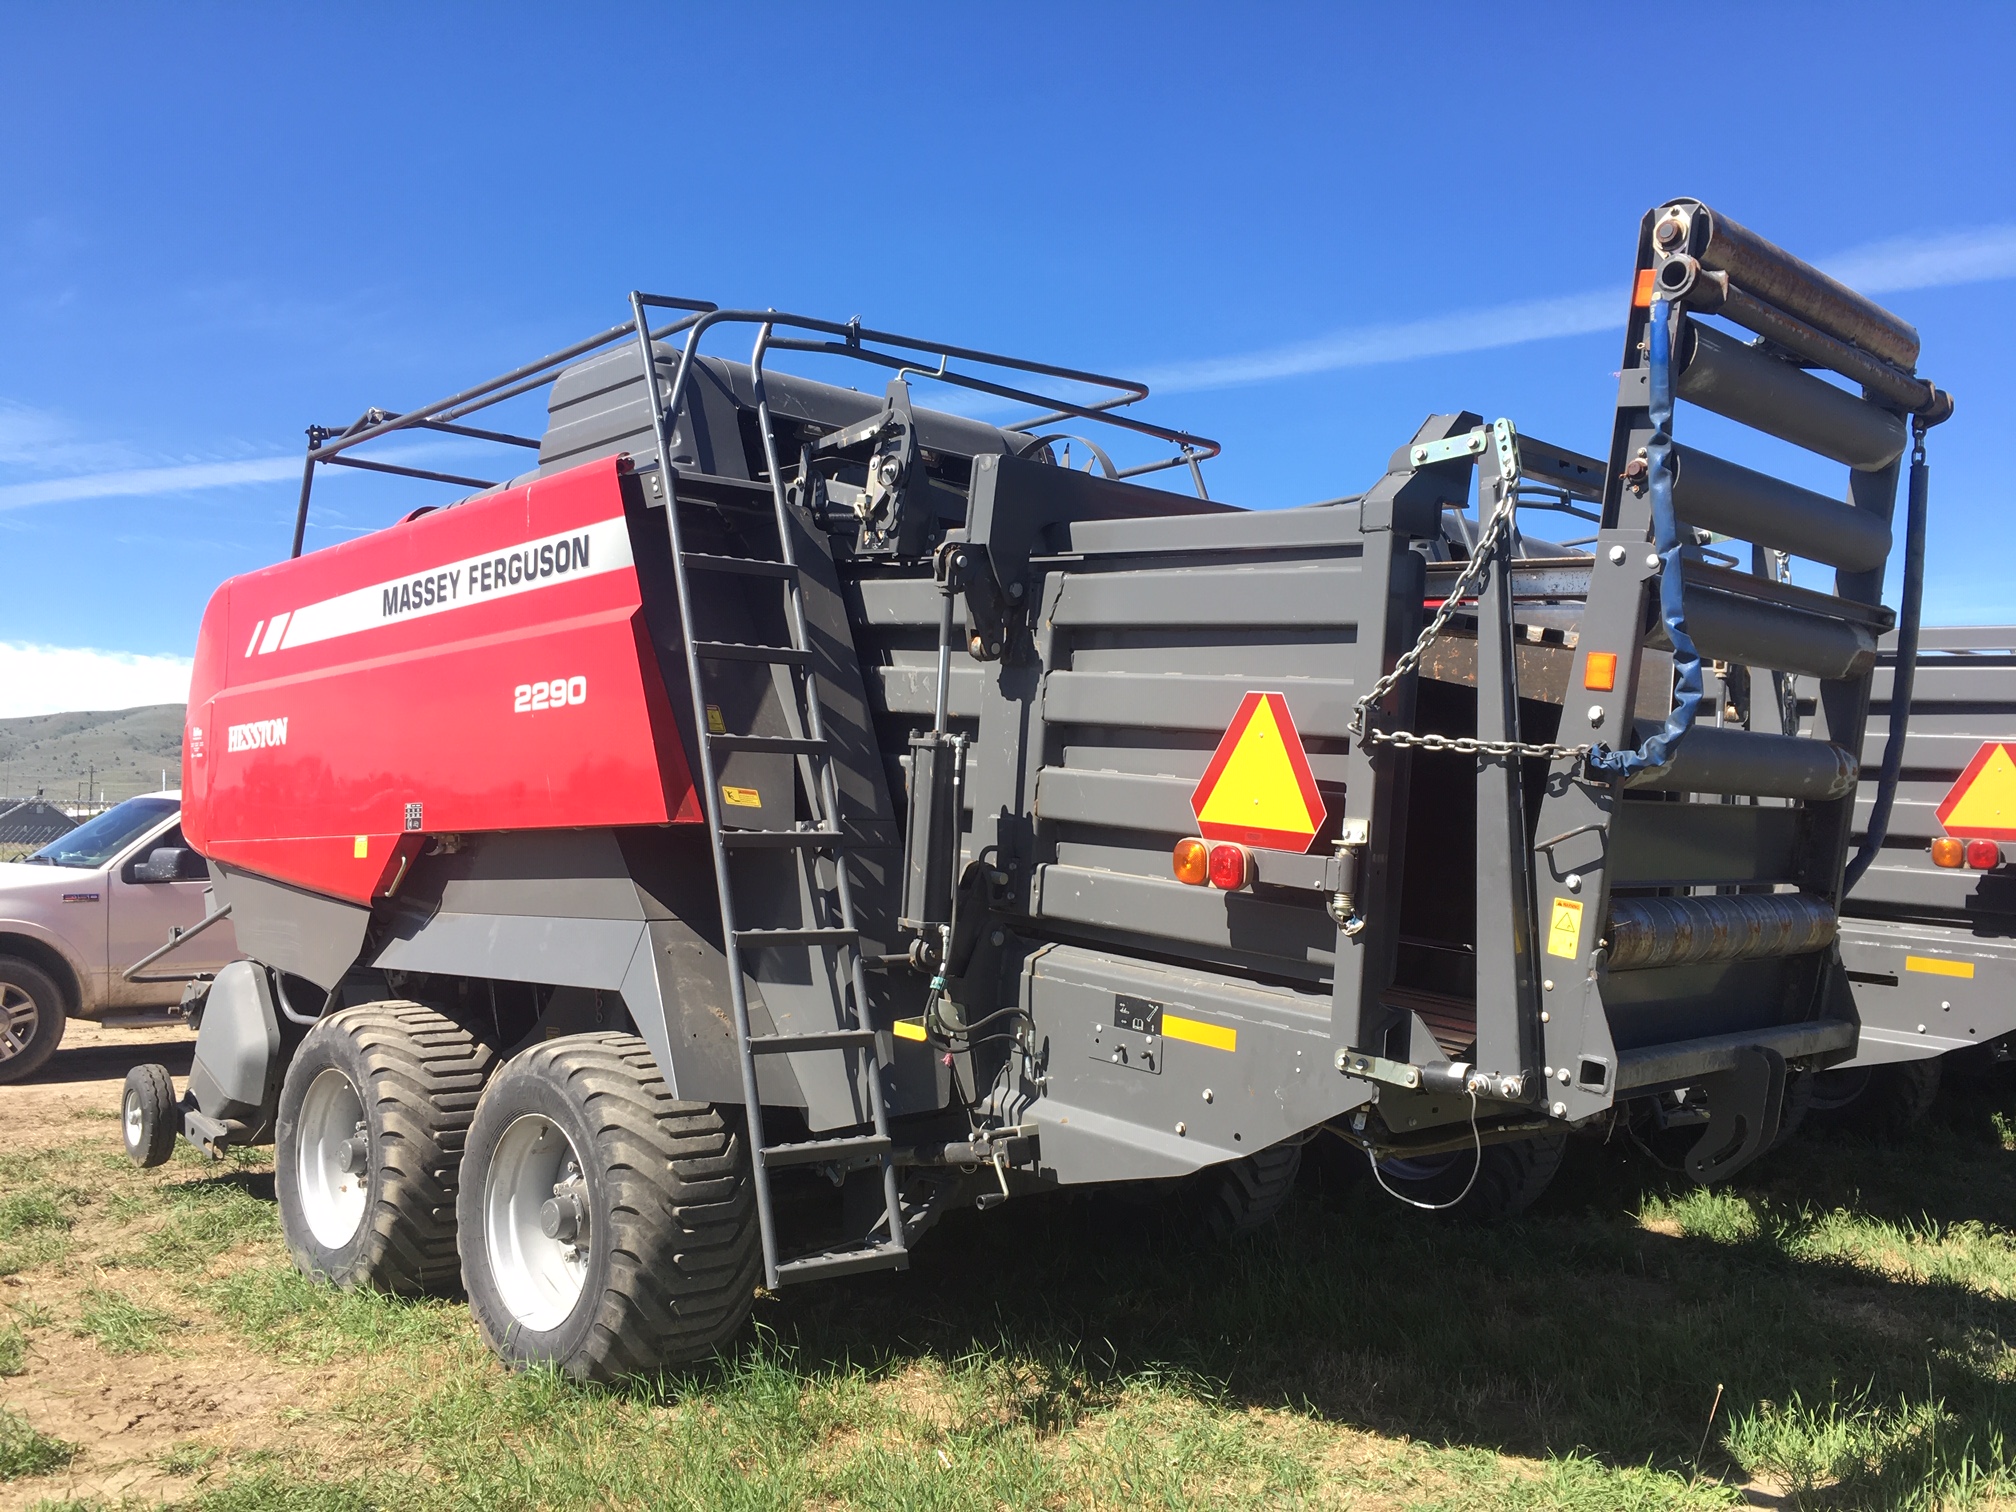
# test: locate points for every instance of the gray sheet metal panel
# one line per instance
(1909, 1012)
(1333, 525)
(1173, 701)
(1676, 1003)
(1123, 799)
(913, 691)
(303, 933)
(1255, 654)
(1100, 1122)
(1287, 937)
(1986, 898)
(1200, 597)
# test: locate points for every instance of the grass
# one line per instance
(1845, 1312)
(24, 1451)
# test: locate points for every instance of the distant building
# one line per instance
(30, 823)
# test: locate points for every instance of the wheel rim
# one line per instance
(1422, 1168)
(333, 1198)
(539, 1276)
(19, 1018)
(134, 1117)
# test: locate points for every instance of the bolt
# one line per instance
(1595, 715)
(1617, 555)
(1559, 1110)
(1547, 1071)
(1921, 1028)
(998, 937)
(1207, 1095)
(1945, 1007)
(1508, 1086)
(1562, 1076)
(997, 648)
(1573, 884)
(1546, 1017)
(1181, 1127)
(1343, 1059)
(1635, 471)
(1547, 985)
(1119, 1056)
(891, 472)
(1667, 233)
(978, 645)
(1652, 560)
(1014, 590)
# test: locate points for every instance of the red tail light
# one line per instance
(1190, 862)
(1229, 867)
(1947, 851)
(1983, 855)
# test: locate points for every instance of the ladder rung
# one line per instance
(783, 656)
(782, 745)
(824, 1039)
(780, 839)
(746, 566)
(767, 937)
(819, 1151)
(844, 1262)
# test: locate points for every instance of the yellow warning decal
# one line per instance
(1195, 1032)
(741, 797)
(1982, 804)
(361, 847)
(1934, 966)
(1564, 929)
(716, 725)
(910, 1029)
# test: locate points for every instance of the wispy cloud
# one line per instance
(1961, 257)
(52, 679)
(125, 482)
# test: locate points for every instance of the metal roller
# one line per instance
(1648, 932)
(1779, 278)
(1732, 378)
(1730, 628)
(1712, 759)
(1752, 506)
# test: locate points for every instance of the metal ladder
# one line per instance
(850, 1038)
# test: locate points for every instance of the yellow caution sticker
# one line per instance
(741, 797)
(909, 1029)
(1196, 1032)
(716, 725)
(361, 847)
(1935, 966)
(1564, 929)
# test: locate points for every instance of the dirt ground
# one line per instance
(83, 1079)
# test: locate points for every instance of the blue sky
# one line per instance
(1308, 226)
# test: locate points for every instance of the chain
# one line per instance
(1467, 583)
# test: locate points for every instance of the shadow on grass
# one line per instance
(1849, 1301)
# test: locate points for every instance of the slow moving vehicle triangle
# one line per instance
(1258, 789)
(1982, 804)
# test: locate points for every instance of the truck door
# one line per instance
(146, 904)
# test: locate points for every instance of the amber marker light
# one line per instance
(1229, 867)
(1599, 673)
(1983, 855)
(1191, 862)
(1946, 851)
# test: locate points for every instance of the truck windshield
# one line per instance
(97, 841)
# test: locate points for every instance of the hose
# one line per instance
(1658, 751)
(1906, 669)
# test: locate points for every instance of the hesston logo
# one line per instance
(257, 735)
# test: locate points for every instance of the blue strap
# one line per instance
(1657, 751)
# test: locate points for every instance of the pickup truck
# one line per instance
(78, 912)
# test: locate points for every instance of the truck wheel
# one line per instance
(1241, 1196)
(148, 1116)
(369, 1134)
(607, 1228)
(1509, 1180)
(31, 1018)
(1876, 1099)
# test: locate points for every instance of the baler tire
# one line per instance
(1243, 1196)
(416, 1075)
(33, 1017)
(1878, 1100)
(665, 1192)
(1510, 1178)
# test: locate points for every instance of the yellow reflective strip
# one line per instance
(910, 1029)
(1934, 966)
(361, 847)
(1217, 1036)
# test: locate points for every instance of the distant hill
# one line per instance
(120, 752)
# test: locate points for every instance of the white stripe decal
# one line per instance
(253, 644)
(586, 551)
